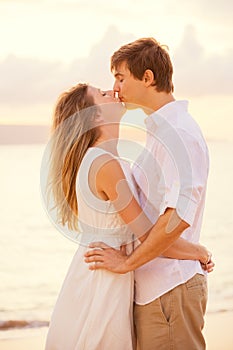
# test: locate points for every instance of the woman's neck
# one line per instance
(108, 144)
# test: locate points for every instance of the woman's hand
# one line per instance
(208, 264)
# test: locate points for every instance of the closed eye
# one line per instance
(103, 93)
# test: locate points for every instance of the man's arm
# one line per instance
(158, 240)
(166, 230)
(164, 233)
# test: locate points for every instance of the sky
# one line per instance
(49, 45)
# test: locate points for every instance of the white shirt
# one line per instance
(171, 172)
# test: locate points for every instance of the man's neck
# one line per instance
(156, 101)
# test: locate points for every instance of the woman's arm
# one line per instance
(185, 250)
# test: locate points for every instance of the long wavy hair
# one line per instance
(73, 131)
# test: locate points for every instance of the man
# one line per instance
(171, 294)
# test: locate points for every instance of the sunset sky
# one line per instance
(48, 45)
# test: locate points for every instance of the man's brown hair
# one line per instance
(143, 54)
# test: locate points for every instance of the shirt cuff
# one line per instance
(185, 207)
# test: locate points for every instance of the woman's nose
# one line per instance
(110, 93)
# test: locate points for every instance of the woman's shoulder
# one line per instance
(104, 163)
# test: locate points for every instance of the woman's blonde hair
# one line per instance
(73, 132)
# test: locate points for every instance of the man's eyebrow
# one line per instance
(117, 74)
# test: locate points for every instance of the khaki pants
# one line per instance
(175, 320)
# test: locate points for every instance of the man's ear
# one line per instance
(148, 77)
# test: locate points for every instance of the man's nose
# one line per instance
(116, 87)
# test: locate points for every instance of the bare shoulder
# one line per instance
(105, 173)
(107, 165)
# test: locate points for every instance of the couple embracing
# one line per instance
(138, 278)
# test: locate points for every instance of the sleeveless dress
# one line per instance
(94, 310)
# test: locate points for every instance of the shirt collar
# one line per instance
(167, 112)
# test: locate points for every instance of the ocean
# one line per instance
(34, 256)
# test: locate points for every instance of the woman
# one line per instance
(94, 308)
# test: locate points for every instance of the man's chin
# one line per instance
(130, 106)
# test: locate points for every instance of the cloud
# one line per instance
(213, 6)
(96, 67)
(29, 80)
(207, 9)
(198, 73)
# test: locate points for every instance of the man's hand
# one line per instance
(105, 257)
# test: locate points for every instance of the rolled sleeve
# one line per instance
(186, 209)
(184, 169)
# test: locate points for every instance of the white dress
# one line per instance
(94, 308)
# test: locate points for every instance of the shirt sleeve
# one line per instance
(183, 166)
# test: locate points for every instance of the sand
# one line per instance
(218, 333)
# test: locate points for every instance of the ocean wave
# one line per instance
(10, 324)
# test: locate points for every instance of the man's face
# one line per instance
(130, 90)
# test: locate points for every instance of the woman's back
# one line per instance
(98, 218)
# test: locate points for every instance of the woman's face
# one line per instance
(101, 96)
(111, 108)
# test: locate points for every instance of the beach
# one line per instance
(218, 334)
(218, 331)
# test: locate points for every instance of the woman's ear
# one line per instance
(99, 118)
(148, 77)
